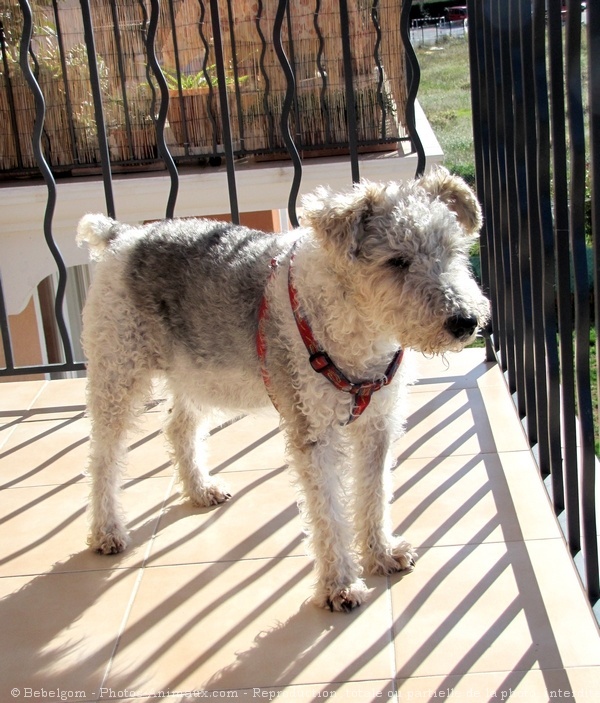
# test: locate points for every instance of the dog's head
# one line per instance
(402, 251)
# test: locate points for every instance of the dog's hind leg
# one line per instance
(114, 396)
(320, 468)
(186, 437)
(383, 553)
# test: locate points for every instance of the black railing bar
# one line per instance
(148, 68)
(5, 333)
(11, 99)
(582, 297)
(236, 78)
(292, 59)
(225, 121)
(209, 82)
(495, 214)
(349, 85)
(534, 299)
(413, 78)
(563, 272)
(163, 109)
(521, 273)
(182, 102)
(593, 47)
(514, 213)
(379, 66)
(533, 240)
(546, 243)
(265, 75)
(497, 111)
(40, 111)
(479, 141)
(286, 109)
(90, 43)
(7, 372)
(65, 81)
(510, 204)
(322, 72)
(484, 128)
(122, 76)
(480, 144)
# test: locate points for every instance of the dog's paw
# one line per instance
(342, 599)
(208, 495)
(112, 541)
(399, 556)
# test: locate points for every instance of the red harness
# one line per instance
(319, 359)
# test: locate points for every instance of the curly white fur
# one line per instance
(379, 266)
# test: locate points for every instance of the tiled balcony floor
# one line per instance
(214, 603)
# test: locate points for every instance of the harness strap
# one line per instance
(320, 361)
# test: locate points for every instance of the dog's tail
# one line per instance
(98, 231)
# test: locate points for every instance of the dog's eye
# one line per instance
(399, 262)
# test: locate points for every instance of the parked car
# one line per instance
(456, 14)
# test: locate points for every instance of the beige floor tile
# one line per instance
(261, 520)
(248, 443)
(15, 401)
(460, 422)
(59, 631)
(467, 369)
(148, 454)
(492, 607)
(63, 393)
(44, 451)
(528, 686)
(45, 528)
(246, 624)
(223, 602)
(466, 499)
(16, 396)
(251, 443)
(555, 575)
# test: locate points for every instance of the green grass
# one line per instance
(445, 96)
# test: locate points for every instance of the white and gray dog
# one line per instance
(315, 320)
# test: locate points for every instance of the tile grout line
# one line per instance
(390, 607)
(136, 588)
(29, 407)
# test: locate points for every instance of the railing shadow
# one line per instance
(280, 652)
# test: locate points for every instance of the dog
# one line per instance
(319, 321)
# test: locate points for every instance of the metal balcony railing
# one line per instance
(338, 77)
(202, 50)
(536, 152)
(537, 149)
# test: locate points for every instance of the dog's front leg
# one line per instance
(383, 552)
(320, 468)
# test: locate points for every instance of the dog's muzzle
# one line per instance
(462, 327)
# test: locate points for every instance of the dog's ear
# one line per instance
(456, 195)
(341, 219)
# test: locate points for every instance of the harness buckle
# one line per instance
(320, 361)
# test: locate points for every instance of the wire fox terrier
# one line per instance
(315, 321)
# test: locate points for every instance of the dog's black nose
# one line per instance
(461, 327)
